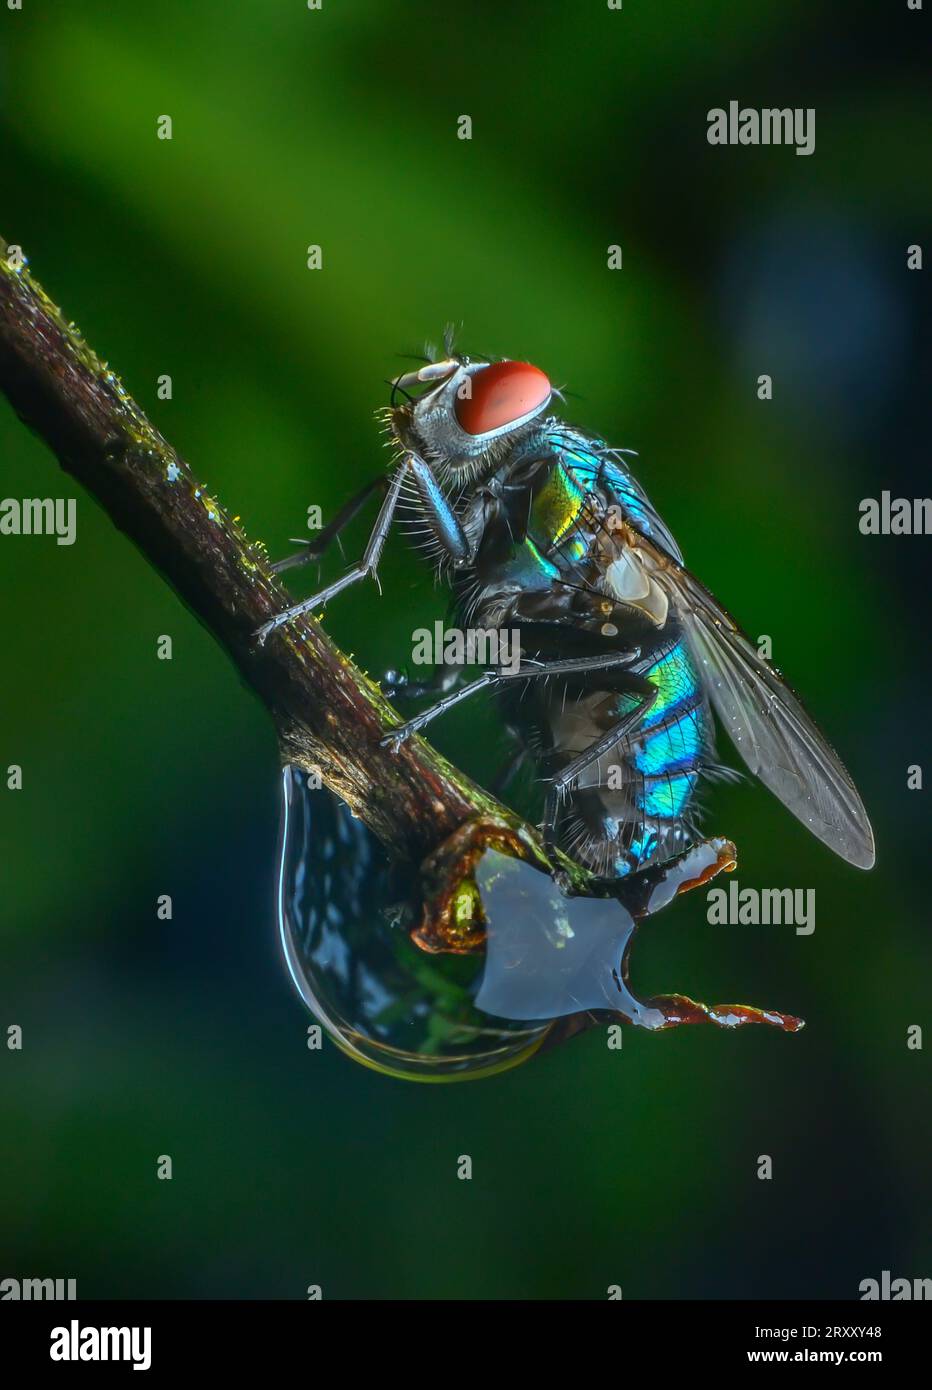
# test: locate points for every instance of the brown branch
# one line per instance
(327, 713)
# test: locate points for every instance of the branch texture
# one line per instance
(328, 714)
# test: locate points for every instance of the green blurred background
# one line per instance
(144, 777)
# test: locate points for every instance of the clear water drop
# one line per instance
(345, 911)
(539, 967)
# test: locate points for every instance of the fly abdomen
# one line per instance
(633, 807)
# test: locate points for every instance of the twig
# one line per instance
(328, 714)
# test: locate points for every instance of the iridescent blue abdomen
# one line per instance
(665, 756)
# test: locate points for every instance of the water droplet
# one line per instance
(480, 977)
(345, 913)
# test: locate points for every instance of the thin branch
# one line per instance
(328, 715)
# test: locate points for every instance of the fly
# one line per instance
(540, 528)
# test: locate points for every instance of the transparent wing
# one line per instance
(593, 468)
(763, 717)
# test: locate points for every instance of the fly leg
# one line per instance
(666, 1011)
(452, 540)
(495, 676)
(315, 548)
(440, 515)
(651, 889)
(672, 1010)
(563, 781)
(368, 565)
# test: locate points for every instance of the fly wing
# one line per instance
(599, 470)
(644, 515)
(763, 717)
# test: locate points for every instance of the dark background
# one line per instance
(145, 777)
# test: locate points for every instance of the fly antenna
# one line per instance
(396, 389)
(449, 338)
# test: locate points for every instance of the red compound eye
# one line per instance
(499, 395)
